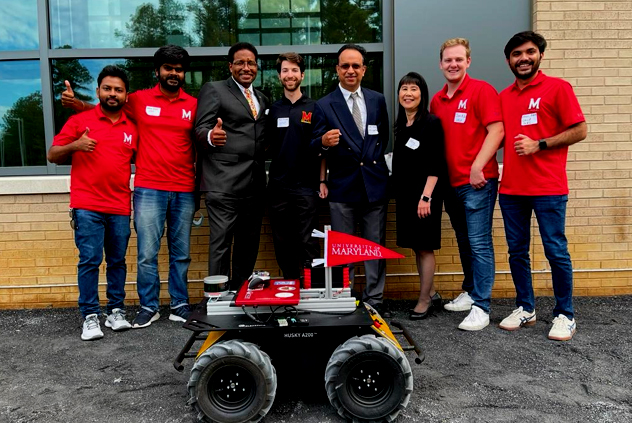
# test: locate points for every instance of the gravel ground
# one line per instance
(49, 375)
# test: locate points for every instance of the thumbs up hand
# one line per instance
(218, 135)
(85, 143)
(68, 96)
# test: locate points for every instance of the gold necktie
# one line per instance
(247, 93)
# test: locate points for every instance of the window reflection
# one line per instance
(204, 23)
(19, 25)
(21, 116)
(320, 76)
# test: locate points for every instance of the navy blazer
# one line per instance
(357, 168)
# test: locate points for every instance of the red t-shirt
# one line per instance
(100, 180)
(165, 160)
(464, 118)
(544, 108)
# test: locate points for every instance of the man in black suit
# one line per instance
(230, 125)
(352, 131)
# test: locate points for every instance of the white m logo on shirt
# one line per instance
(127, 139)
(534, 104)
(462, 104)
(187, 114)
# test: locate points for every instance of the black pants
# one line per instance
(293, 218)
(237, 219)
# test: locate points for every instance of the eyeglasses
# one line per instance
(346, 66)
(73, 222)
(249, 63)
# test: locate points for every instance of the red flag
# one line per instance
(343, 249)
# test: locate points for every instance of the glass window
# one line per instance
(319, 79)
(21, 116)
(197, 23)
(19, 25)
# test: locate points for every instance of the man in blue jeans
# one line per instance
(469, 111)
(101, 143)
(542, 118)
(163, 182)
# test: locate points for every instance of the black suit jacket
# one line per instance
(356, 166)
(237, 167)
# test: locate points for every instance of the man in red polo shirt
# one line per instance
(469, 111)
(542, 118)
(102, 143)
(163, 183)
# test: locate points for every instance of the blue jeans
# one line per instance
(550, 211)
(152, 208)
(478, 205)
(94, 233)
(455, 210)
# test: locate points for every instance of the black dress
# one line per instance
(411, 165)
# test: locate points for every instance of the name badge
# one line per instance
(460, 117)
(153, 111)
(412, 143)
(529, 119)
(373, 130)
(282, 122)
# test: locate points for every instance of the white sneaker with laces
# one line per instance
(478, 319)
(517, 319)
(462, 302)
(117, 321)
(563, 328)
(91, 329)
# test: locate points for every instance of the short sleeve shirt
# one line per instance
(289, 132)
(465, 117)
(100, 180)
(165, 160)
(544, 108)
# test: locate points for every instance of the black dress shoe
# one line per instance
(414, 315)
(436, 301)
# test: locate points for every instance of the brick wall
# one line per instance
(589, 46)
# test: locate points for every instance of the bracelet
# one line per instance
(323, 182)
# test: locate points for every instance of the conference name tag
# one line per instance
(460, 117)
(153, 111)
(282, 122)
(529, 119)
(412, 143)
(373, 130)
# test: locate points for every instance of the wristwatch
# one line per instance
(542, 144)
(426, 199)
(324, 182)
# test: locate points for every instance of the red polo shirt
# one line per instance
(464, 118)
(544, 108)
(100, 180)
(165, 160)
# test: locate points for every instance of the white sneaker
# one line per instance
(91, 329)
(462, 302)
(478, 319)
(563, 328)
(117, 321)
(517, 319)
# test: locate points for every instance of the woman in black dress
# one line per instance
(418, 163)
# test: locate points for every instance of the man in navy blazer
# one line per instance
(351, 129)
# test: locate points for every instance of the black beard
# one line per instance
(105, 106)
(171, 88)
(525, 75)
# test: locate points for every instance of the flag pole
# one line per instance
(327, 269)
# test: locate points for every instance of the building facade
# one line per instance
(48, 41)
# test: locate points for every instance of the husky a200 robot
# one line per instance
(304, 335)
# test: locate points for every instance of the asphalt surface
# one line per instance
(47, 374)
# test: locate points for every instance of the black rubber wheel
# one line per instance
(368, 380)
(232, 382)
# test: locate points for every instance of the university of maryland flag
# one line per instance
(342, 248)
